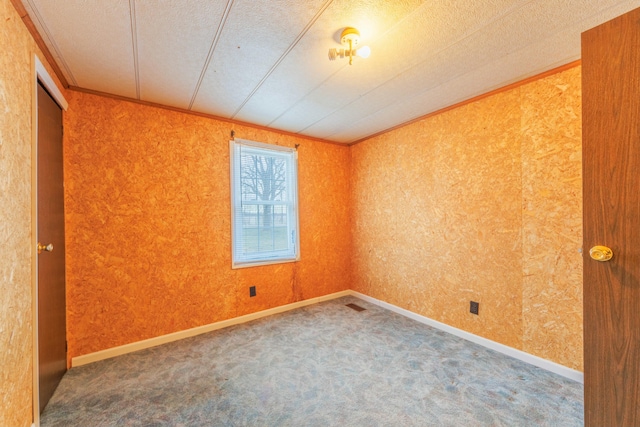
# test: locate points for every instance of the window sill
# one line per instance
(237, 266)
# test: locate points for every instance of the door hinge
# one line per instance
(66, 346)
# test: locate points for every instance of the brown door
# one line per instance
(52, 352)
(611, 179)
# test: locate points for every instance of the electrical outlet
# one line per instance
(474, 307)
(252, 291)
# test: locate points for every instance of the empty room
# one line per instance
(326, 212)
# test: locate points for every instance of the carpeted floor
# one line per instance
(322, 365)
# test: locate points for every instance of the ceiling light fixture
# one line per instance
(350, 37)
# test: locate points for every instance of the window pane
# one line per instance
(264, 228)
(264, 203)
(263, 177)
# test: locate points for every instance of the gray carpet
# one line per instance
(322, 365)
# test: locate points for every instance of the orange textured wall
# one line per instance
(148, 224)
(480, 203)
(16, 327)
(552, 218)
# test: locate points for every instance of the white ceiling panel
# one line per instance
(174, 39)
(265, 61)
(255, 37)
(95, 39)
(282, 91)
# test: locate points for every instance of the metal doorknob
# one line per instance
(601, 253)
(48, 248)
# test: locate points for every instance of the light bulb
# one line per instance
(364, 52)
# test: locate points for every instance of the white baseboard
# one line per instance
(556, 368)
(163, 339)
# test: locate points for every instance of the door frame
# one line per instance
(40, 74)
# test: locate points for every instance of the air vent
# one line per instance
(356, 307)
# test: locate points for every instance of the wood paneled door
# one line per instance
(52, 351)
(611, 182)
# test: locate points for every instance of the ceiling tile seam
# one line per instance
(503, 14)
(283, 56)
(381, 85)
(396, 76)
(306, 96)
(212, 48)
(51, 41)
(382, 36)
(134, 41)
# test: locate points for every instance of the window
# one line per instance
(264, 204)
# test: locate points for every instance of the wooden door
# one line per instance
(52, 352)
(611, 180)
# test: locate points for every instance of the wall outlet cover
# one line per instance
(474, 307)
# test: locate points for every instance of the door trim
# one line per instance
(39, 73)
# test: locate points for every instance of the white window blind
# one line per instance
(264, 203)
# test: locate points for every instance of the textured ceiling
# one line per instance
(265, 62)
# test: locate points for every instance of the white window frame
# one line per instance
(239, 259)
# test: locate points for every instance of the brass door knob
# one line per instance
(601, 253)
(48, 248)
